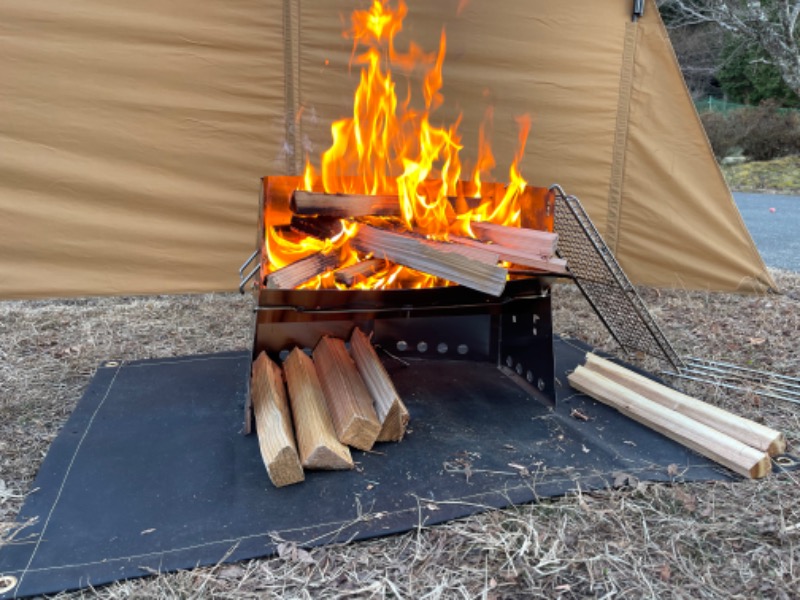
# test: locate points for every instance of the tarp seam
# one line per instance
(621, 137)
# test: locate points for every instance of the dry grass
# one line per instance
(710, 540)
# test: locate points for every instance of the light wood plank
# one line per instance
(348, 399)
(392, 412)
(300, 271)
(274, 423)
(316, 437)
(751, 433)
(719, 447)
(531, 241)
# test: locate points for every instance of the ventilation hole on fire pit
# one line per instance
(529, 377)
(283, 355)
(519, 369)
(422, 347)
(462, 349)
(540, 384)
(441, 348)
(509, 361)
(402, 346)
(535, 331)
(513, 318)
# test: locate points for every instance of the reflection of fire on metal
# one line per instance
(389, 188)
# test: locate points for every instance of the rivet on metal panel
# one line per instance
(509, 361)
(462, 349)
(535, 331)
(402, 346)
(441, 348)
(540, 384)
(519, 369)
(529, 376)
(422, 347)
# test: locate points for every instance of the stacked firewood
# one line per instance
(335, 399)
(480, 263)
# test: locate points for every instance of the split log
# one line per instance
(751, 433)
(348, 399)
(516, 256)
(344, 205)
(435, 258)
(300, 271)
(392, 413)
(274, 423)
(727, 451)
(360, 270)
(316, 437)
(531, 241)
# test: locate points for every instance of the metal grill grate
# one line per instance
(604, 284)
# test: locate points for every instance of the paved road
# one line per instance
(776, 234)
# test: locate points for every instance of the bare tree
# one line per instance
(772, 25)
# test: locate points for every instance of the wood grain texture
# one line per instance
(392, 413)
(348, 399)
(479, 272)
(316, 437)
(361, 270)
(751, 433)
(300, 271)
(721, 448)
(531, 241)
(344, 205)
(274, 423)
(525, 258)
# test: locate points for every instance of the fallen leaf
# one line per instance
(672, 470)
(146, 531)
(665, 573)
(585, 449)
(757, 341)
(578, 414)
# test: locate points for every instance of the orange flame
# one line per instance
(389, 147)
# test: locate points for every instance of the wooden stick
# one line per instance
(274, 423)
(516, 256)
(528, 240)
(392, 413)
(727, 451)
(348, 399)
(344, 205)
(316, 437)
(754, 434)
(300, 271)
(435, 258)
(360, 270)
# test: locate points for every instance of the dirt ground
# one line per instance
(701, 540)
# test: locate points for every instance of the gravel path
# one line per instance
(777, 234)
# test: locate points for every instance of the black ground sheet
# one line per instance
(151, 473)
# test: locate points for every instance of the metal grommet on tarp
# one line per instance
(7, 583)
(785, 462)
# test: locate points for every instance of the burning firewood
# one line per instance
(322, 228)
(297, 273)
(344, 205)
(349, 401)
(478, 271)
(316, 437)
(532, 241)
(363, 269)
(274, 424)
(392, 413)
(517, 256)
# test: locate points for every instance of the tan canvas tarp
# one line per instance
(133, 135)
